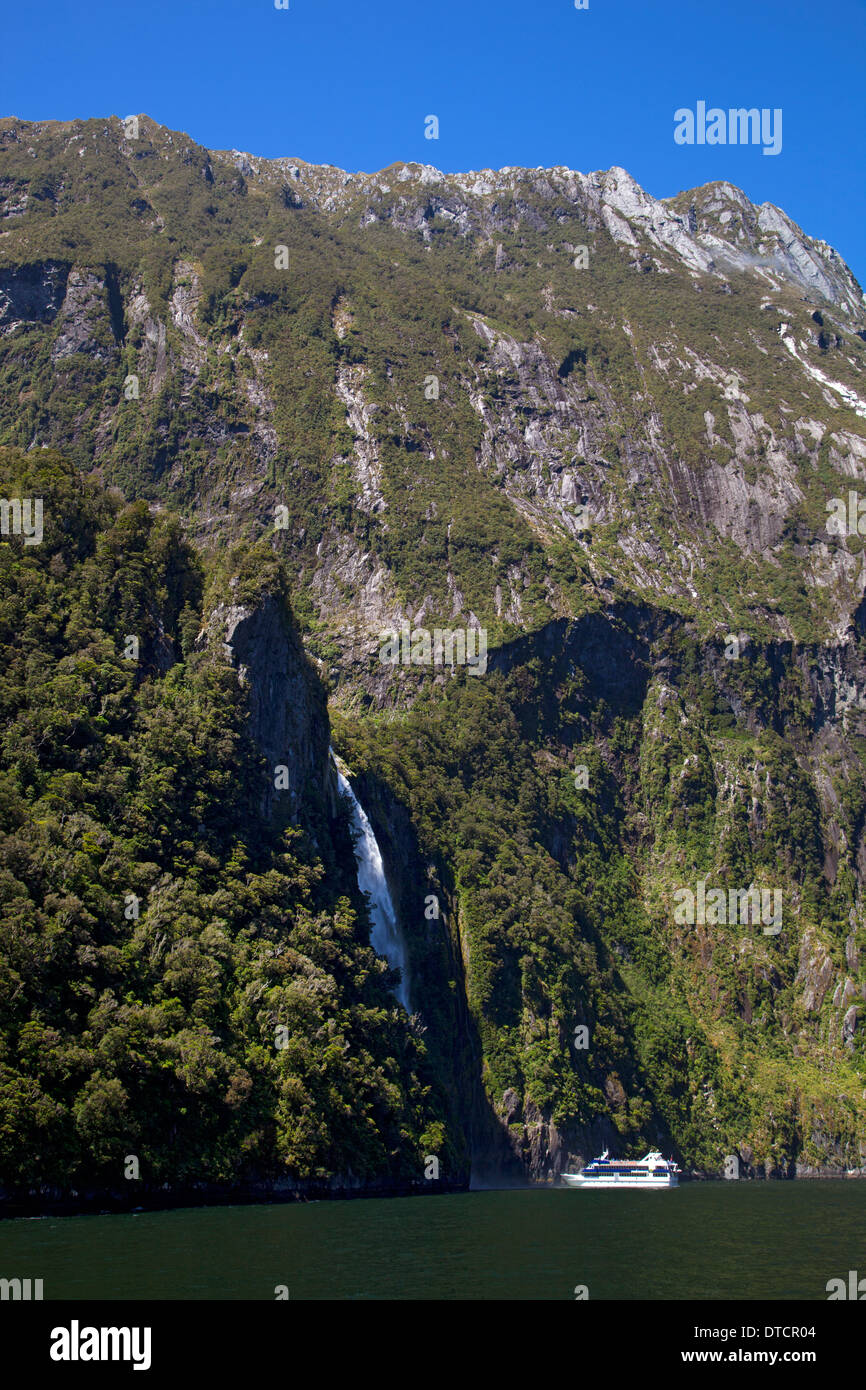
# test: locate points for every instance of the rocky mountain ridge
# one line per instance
(672, 416)
(720, 228)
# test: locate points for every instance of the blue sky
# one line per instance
(535, 83)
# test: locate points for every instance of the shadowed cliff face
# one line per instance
(288, 718)
(559, 809)
(32, 294)
(427, 908)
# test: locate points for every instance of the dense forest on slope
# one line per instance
(273, 409)
(157, 930)
(727, 1039)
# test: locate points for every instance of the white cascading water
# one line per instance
(385, 936)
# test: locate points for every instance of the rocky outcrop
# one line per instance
(288, 719)
(84, 321)
(712, 230)
(368, 467)
(815, 973)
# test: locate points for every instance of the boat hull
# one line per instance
(614, 1180)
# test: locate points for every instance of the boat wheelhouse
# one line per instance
(651, 1171)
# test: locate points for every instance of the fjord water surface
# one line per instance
(732, 1240)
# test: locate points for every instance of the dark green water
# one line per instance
(704, 1241)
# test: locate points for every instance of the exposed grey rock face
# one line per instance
(31, 293)
(547, 435)
(647, 446)
(815, 973)
(85, 324)
(184, 303)
(288, 719)
(849, 1027)
(152, 364)
(350, 389)
(14, 198)
(721, 230)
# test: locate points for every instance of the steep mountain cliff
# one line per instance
(188, 995)
(492, 393)
(615, 433)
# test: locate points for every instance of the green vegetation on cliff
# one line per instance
(616, 468)
(716, 1037)
(156, 930)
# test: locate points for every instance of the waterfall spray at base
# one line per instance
(385, 936)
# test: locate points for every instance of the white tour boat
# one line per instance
(652, 1171)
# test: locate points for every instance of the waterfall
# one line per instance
(385, 936)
